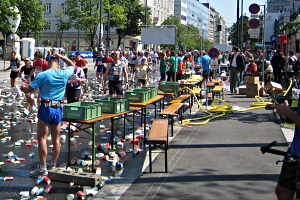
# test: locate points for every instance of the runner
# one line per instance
(142, 73)
(39, 64)
(27, 69)
(116, 74)
(73, 90)
(52, 85)
(15, 69)
(100, 68)
(81, 62)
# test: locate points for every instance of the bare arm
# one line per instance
(284, 110)
(66, 60)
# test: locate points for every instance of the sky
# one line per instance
(227, 8)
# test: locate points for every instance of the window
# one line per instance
(183, 17)
(64, 8)
(48, 8)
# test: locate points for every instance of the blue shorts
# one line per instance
(101, 68)
(50, 115)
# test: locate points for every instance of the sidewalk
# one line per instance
(220, 160)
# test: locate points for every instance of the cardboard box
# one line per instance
(252, 79)
(252, 90)
(242, 90)
(273, 86)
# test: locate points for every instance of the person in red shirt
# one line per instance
(107, 59)
(39, 64)
(81, 62)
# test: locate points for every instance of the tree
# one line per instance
(32, 16)
(62, 25)
(187, 36)
(86, 14)
(135, 16)
(233, 36)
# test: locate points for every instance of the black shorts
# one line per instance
(101, 69)
(73, 94)
(115, 87)
(206, 74)
(14, 75)
(132, 66)
(142, 81)
(287, 177)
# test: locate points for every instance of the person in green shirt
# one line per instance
(163, 66)
(173, 67)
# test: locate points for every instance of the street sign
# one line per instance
(254, 23)
(213, 53)
(273, 38)
(254, 8)
(254, 33)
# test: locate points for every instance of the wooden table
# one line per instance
(92, 124)
(143, 106)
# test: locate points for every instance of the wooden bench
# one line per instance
(158, 138)
(183, 98)
(218, 90)
(171, 111)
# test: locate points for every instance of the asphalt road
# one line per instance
(220, 160)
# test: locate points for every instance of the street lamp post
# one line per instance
(242, 23)
(237, 22)
(100, 28)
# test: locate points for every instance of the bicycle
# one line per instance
(287, 158)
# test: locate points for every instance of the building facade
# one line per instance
(72, 38)
(216, 26)
(160, 9)
(193, 12)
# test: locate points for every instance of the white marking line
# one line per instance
(174, 159)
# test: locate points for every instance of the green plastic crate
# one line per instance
(152, 90)
(82, 110)
(137, 95)
(170, 87)
(113, 105)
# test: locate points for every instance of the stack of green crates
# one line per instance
(169, 87)
(113, 105)
(82, 110)
(137, 95)
(152, 90)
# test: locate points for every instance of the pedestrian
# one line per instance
(49, 55)
(81, 62)
(62, 63)
(27, 70)
(268, 72)
(205, 63)
(163, 66)
(116, 74)
(277, 63)
(173, 67)
(14, 68)
(251, 69)
(286, 184)
(142, 73)
(237, 63)
(39, 64)
(291, 62)
(100, 68)
(181, 67)
(52, 85)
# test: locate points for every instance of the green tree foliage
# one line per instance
(187, 37)
(62, 25)
(135, 17)
(85, 14)
(32, 16)
(233, 36)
